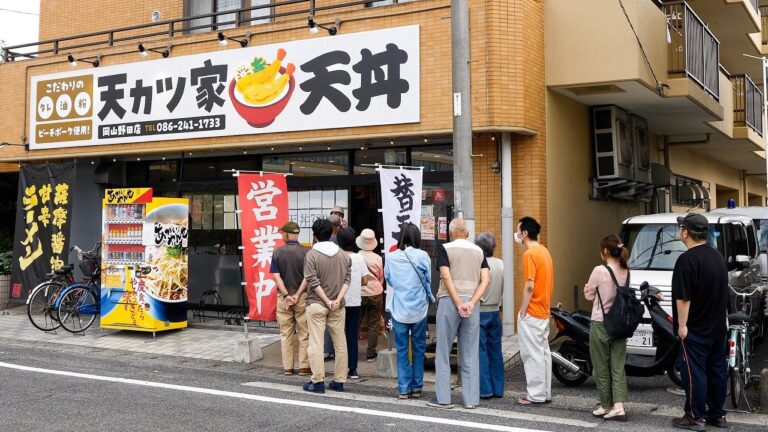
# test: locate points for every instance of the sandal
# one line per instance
(619, 415)
(527, 402)
(599, 411)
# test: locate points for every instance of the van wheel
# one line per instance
(574, 354)
(673, 372)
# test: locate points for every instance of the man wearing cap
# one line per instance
(288, 270)
(338, 211)
(699, 310)
(372, 293)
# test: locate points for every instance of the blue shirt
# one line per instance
(407, 299)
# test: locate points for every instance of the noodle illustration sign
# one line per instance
(359, 79)
(264, 203)
(145, 267)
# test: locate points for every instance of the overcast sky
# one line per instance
(19, 21)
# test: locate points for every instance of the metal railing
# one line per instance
(694, 50)
(764, 23)
(747, 103)
(181, 26)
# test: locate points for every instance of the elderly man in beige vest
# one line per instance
(464, 276)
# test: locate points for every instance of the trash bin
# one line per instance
(5, 291)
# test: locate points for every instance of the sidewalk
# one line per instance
(196, 343)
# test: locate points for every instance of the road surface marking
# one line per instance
(512, 415)
(327, 407)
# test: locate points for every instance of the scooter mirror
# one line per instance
(644, 286)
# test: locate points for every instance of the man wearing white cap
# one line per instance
(372, 293)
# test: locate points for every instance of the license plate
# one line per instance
(641, 338)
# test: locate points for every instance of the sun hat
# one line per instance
(367, 240)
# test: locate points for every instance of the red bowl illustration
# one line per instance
(264, 115)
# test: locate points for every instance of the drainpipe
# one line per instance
(765, 127)
(507, 234)
(463, 193)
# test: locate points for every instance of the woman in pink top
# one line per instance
(608, 355)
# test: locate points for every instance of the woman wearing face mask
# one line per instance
(608, 355)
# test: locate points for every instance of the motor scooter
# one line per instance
(571, 363)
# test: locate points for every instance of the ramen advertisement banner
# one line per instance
(145, 267)
(360, 79)
(400, 202)
(43, 219)
(264, 205)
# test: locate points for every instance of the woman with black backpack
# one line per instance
(608, 354)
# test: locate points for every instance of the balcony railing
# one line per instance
(694, 50)
(764, 23)
(747, 103)
(277, 9)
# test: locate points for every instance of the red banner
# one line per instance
(264, 205)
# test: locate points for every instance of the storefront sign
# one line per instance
(400, 193)
(42, 222)
(359, 79)
(264, 205)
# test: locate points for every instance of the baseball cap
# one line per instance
(338, 210)
(694, 222)
(291, 228)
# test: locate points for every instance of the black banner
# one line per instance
(43, 220)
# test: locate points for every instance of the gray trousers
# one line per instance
(449, 324)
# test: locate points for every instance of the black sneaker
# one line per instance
(314, 387)
(371, 358)
(353, 374)
(686, 422)
(329, 357)
(335, 386)
(718, 423)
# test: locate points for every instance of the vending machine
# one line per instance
(144, 261)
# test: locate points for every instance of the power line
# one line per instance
(19, 12)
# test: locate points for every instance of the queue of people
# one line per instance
(330, 287)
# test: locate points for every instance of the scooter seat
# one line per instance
(738, 316)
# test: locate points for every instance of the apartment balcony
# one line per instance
(658, 63)
(736, 24)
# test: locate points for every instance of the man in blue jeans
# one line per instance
(491, 358)
(699, 308)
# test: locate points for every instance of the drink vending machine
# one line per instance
(144, 261)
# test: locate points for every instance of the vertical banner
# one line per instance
(400, 201)
(264, 210)
(41, 244)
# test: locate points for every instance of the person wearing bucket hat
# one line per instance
(288, 269)
(372, 292)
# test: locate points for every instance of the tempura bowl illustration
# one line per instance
(260, 116)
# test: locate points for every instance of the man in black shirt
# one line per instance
(288, 269)
(699, 309)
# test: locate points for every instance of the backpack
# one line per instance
(626, 311)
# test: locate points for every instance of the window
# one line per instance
(309, 165)
(305, 205)
(224, 21)
(762, 236)
(162, 172)
(657, 246)
(386, 2)
(385, 156)
(435, 158)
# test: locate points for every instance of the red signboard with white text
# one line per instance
(264, 206)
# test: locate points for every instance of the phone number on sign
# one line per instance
(201, 124)
(181, 125)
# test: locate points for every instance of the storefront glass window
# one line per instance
(309, 165)
(434, 158)
(162, 172)
(384, 156)
(306, 205)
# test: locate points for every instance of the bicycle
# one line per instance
(740, 331)
(40, 309)
(79, 304)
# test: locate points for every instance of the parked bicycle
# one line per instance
(741, 331)
(40, 309)
(79, 304)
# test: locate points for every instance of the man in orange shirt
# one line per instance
(533, 320)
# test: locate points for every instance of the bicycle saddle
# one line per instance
(738, 316)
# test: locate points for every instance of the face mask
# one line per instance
(518, 238)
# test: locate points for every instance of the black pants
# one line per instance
(351, 330)
(705, 375)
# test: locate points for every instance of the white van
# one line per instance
(655, 246)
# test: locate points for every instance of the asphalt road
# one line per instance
(40, 389)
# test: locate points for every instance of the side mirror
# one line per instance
(644, 286)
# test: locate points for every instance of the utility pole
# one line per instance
(463, 192)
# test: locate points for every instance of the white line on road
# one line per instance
(512, 415)
(363, 411)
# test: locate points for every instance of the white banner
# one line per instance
(358, 79)
(400, 201)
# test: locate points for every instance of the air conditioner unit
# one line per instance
(613, 143)
(642, 146)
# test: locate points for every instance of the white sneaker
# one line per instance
(599, 411)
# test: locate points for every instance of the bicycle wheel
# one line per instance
(77, 309)
(40, 306)
(735, 375)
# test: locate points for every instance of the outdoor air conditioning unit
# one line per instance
(613, 143)
(642, 147)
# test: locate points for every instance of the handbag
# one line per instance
(427, 290)
(626, 311)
